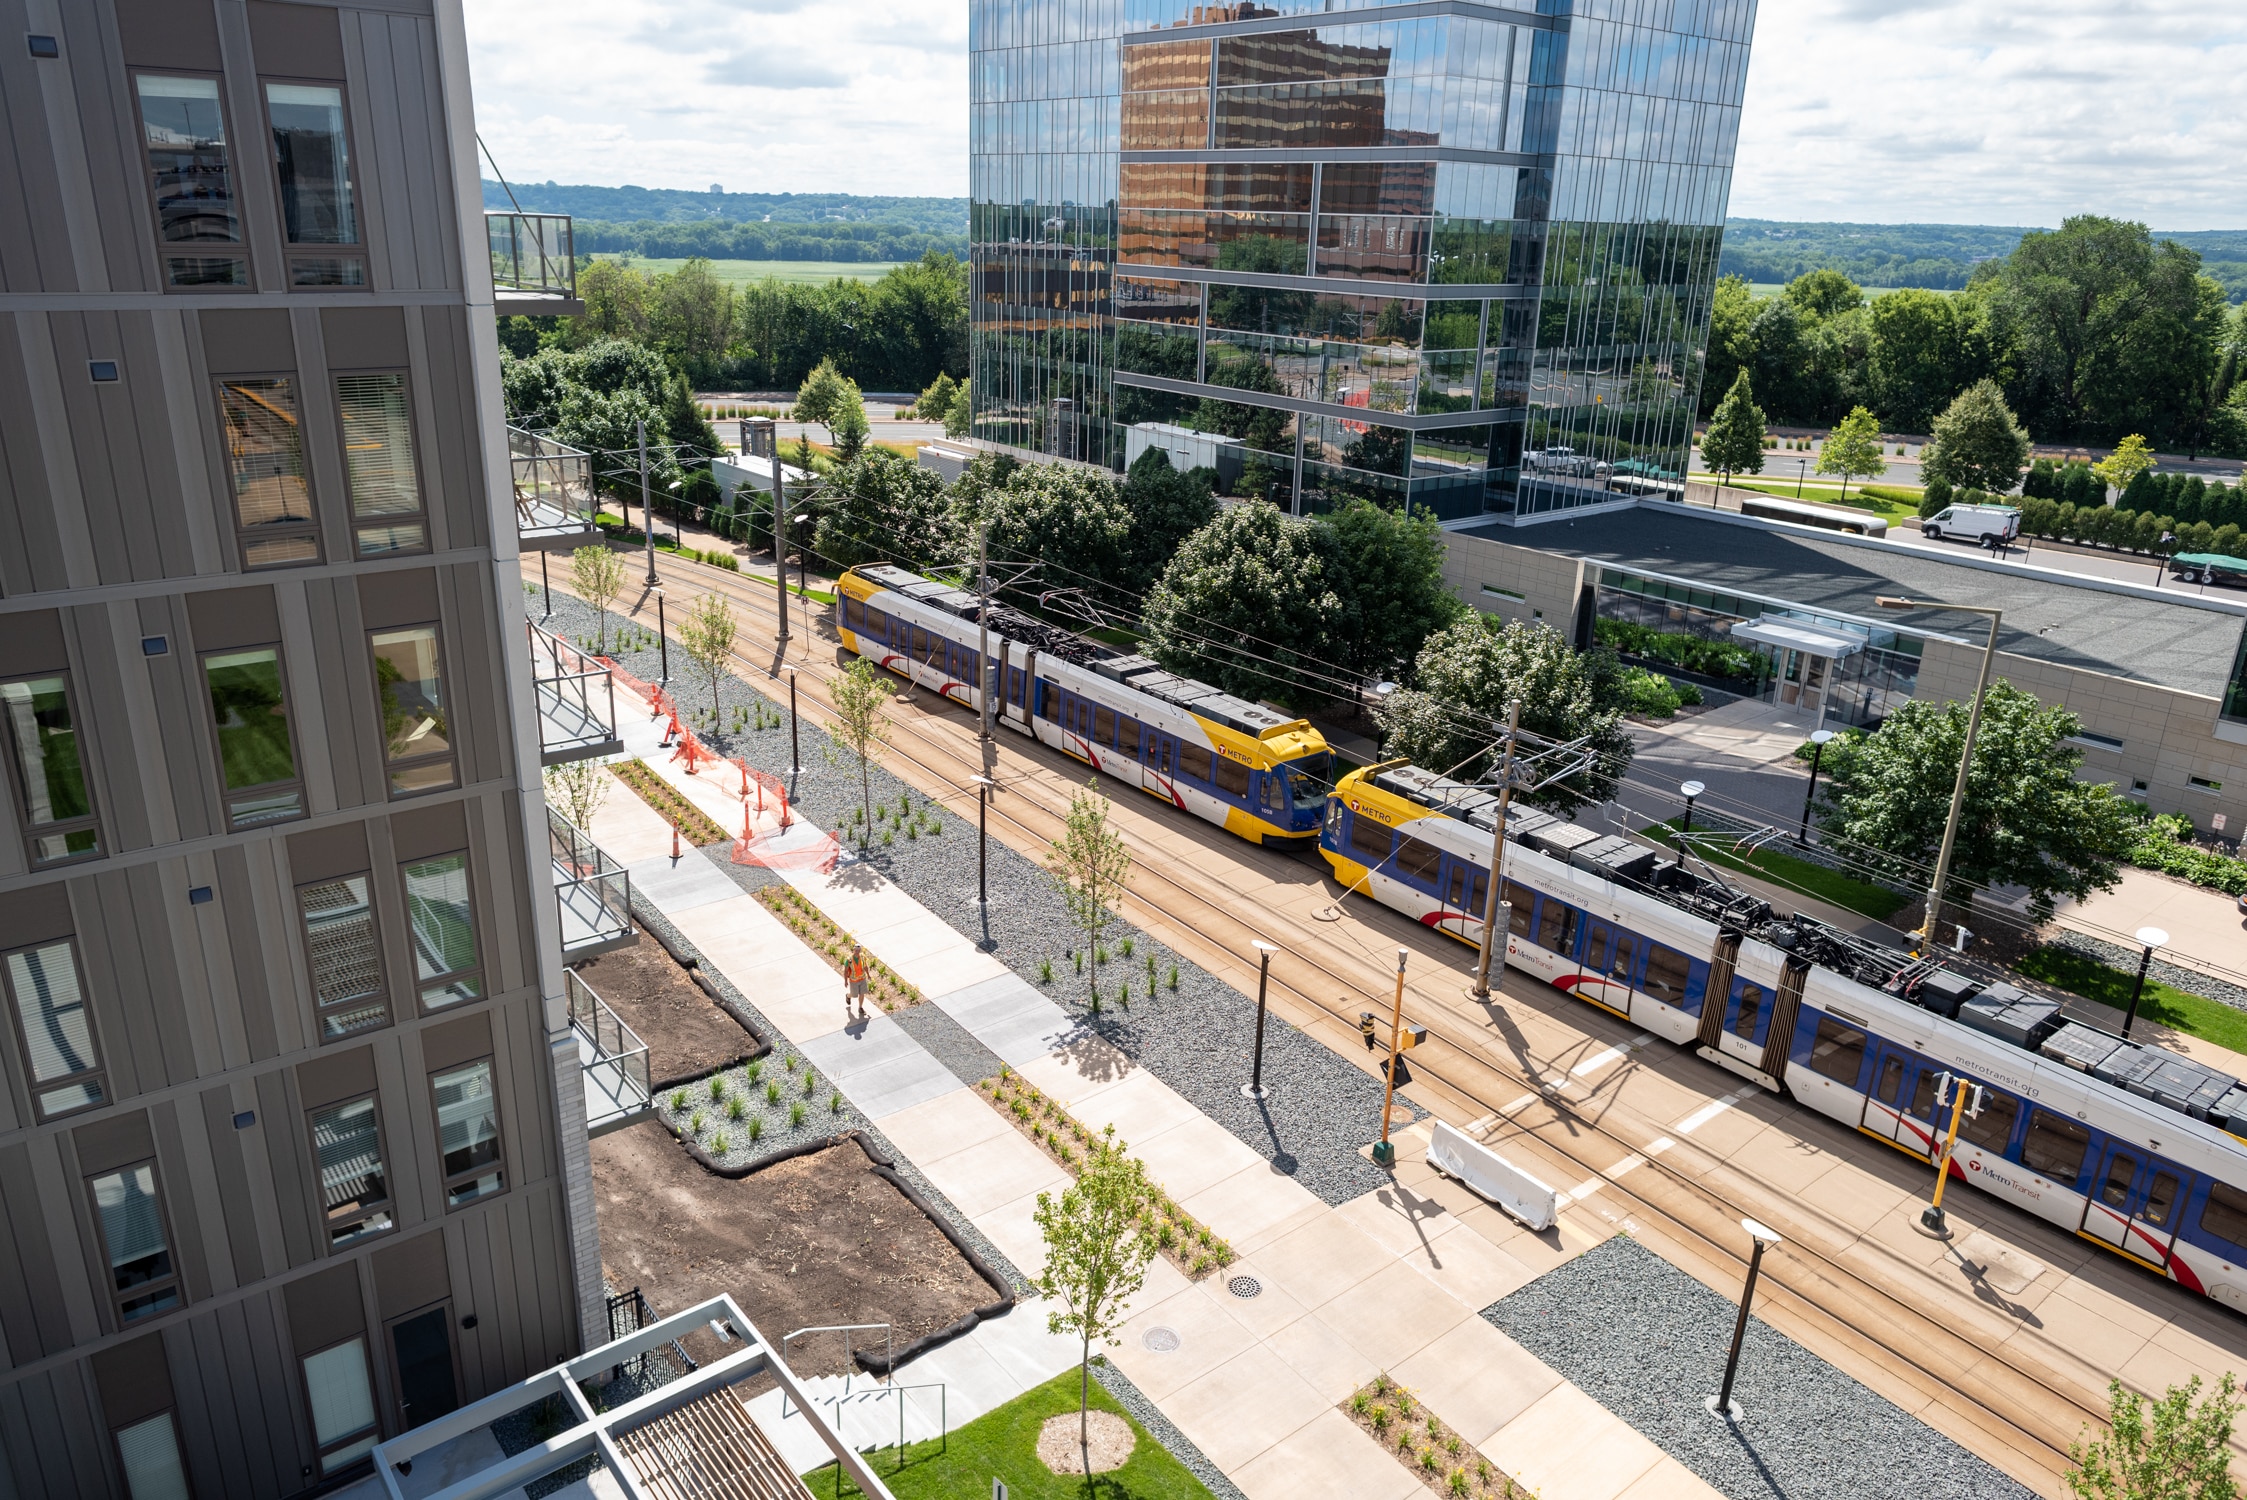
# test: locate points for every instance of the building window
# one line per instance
(416, 741)
(265, 461)
(312, 154)
(148, 1452)
(378, 452)
(444, 930)
(468, 1133)
(57, 1031)
(143, 1279)
(341, 1396)
(354, 1189)
(257, 762)
(2203, 784)
(345, 954)
(50, 771)
(198, 229)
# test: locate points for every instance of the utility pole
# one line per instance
(780, 545)
(1966, 756)
(987, 684)
(1385, 1154)
(1491, 904)
(647, 509)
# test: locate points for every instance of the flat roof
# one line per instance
(2090, 624)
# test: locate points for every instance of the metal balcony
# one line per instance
(593, 892)
(534, 263)
(554, 501)
(576, 700)
(615, 1060)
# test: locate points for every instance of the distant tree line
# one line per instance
(1938, 256)
(2092, 331)
(631, 205)
(774, 241)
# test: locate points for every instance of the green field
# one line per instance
(1828, 493)
(744, 272)
(2097, 982)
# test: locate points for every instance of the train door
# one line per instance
(2135, 1202)
(1595, 981)
(1466, 890)
(1894, 1075)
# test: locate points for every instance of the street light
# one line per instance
(795, 743)
(984, 786)
(1722, 1404)
(802, 561)
(1255, 1086)
(662, 636)
(1819, 739)
(1384, 1153)
(1966, 757)
(2151, 938)
(1690, 789)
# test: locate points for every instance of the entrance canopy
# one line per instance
(1796, 637)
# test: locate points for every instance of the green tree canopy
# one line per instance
(691, 318)
(1853, 448)
(2027, 821)
(1731, 312)
(2130, 458)
(1246, 605)
(1823, 293)
(1068, 521)
(882, 508)
(1734, 442)
(1452, 716)
(1978, 444)
(2183, 1454)
(1387, 570)
(1166, 506)
(823, 397)
(1924, 349)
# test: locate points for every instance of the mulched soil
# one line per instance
(812, 1241)
(687, 1035)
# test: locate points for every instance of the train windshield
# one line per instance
(1310, 779)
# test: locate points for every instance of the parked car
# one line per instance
(1973, 523)
(2209, 567)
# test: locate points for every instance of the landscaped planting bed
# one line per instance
(1424, 1443)
(695, 826)
(741, 1116)
(687, 1034)
(1189, 1243)
(823, 937)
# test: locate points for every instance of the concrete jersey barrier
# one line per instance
(1491, 1175)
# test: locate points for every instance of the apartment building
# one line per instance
(292, 1145)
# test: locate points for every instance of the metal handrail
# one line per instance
(613, 1041)
(579, 863)
(943, 1412)
(550, 474)
(564, 685)
(531, 252)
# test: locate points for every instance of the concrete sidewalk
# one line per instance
(1393, 1281)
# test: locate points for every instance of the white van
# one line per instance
(1973, 523)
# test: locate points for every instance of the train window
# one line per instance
(1103, 725)
(854, 614)
(1891, 1080)
(1750, 1008)
(934, 656)
(1333, 821)
(2056, 1146)
(1369, 840)
(877, 623)
(2225, 1214)
(1419, 862)
(918, 649)
(2115, 1190)
(1049, 698)
(1455, 892)
(1838, 1051)
(1595, 950)
(1478, 894)
(1667, 971)
(1993, 1127)
(1272, 794)
(971, 668)
(1193, 760)
(1016, 678)
(1557, 925)
(1232, 778)
(1923, 1097)
(2161, 1199)
(1626, 948)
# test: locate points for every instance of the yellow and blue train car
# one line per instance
(1256, 773)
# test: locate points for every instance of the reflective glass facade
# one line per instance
(1460, 258)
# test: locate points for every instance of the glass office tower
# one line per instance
(1447, 254)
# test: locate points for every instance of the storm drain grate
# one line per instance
(1244, 1286)
(1161, 1340)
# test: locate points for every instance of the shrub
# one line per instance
(695, 1124)
(678, 1100)
(719, 1145)
(772, 1092)
(756, 1068)
(1649, 693)
(835, 1102)
(1045, 971)
(756, 1128)
(796, 1114)
(735, 1109)
(810, 1083)
(718, 1089)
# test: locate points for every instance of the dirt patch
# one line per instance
(1111, 1442)
(817, 1240)
(688, 1036)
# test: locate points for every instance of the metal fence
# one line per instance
(620, 1057)
(576, 697)
(593, 892)
(531, 253)
(553, 486)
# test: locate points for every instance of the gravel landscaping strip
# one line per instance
(1196, 1037)
(948, 1042)
(1164, 1431)
(1648, 1342)
(2191, 981)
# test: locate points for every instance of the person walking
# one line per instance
(854, 983)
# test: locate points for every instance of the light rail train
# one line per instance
(1251, 771)
(2141, 1151)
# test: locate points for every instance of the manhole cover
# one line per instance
(1244, 1286)
(1161, 1340)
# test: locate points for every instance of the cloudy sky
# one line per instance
(1879, 111)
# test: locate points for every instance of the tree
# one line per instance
(1923, 352)
(1097, 1251)
(936, 401)
(822, 397)
(691, 317)
(1734, 442)
(706, 635)
(1067, 520)
(1246, 605)
(1455, 710)
(1731, 313)
(1165, 507)
(2130, 458)
(1823, 293)
(598, 573)
(615, 298)
(2185, 1456)
(1089, 863)
(1853, 448)
(578, 788)
(1978, 444)
(1387, 569)
(881, 508)
(849, 428)
(959, 418)
(2026, 820)
(860, 697)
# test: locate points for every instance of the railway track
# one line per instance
(1863, 1308)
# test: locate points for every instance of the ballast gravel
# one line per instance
(1648, 1342)
(1196, 1035)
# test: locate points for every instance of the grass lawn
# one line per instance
(1828, 494)
(2162, 1005)
(1003, 1444)
(1830, 886)
(746, 272)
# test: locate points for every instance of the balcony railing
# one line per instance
(532, 258)
(593, 892)
(576, 700)
(554, 500)
(615, 1060)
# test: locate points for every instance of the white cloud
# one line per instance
(1975, 111)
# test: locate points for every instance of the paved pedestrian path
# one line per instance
(1393, 1281)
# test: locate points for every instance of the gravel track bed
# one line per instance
(1648, 1342)
(1196, 1038)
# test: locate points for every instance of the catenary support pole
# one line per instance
(647, 506)
(1491, 901)
(1385, 1154)
(780, 547)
